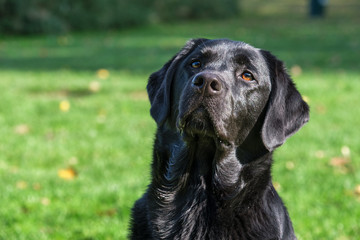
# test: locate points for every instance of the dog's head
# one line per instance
(221, 89)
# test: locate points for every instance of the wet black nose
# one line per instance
(207, 83)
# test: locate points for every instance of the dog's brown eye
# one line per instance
(247, 76)
(196, 64)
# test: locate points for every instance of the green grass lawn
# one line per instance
(74, 172)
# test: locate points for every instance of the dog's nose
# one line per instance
(208, 83)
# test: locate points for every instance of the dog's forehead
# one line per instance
(226, 53)
(230, 51)
(227, 48)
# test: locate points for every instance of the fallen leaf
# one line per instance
(67, 173)
(357, 190)
(295, 70)
(108, 213)
(22, 129)
(21, 185)
(290, 165)
(345, 150)
(64, 106)
(45, 201)
(306, 99)
(94, 86)
(102, 74)
(339, 161)
(277, 186)
(341, 164)
(139, 95)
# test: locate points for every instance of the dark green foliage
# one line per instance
(44, 16)
(200, 9)
(31, 16)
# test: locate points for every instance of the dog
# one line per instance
(221, 107)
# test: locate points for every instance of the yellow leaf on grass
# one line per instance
(67, 173)
(102, 73)
(64, 106)
(277, 186)
(45, 201)
(94, 86)
(139, 95)
(357, 190)
(345, 150)
(21, 185)
(295, 70)
(306, 99)
(290, 165)
(22, 129)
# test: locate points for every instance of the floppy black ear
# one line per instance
(159, 84)
(286, 111)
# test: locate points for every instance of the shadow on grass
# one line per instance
(131, 59)
(71, 93)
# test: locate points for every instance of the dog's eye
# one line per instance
(247, 76)
(196, 64)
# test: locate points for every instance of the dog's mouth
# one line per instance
(199, 124)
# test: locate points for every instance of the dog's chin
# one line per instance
(198, 126)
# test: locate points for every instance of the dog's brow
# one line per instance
(243, 59)
(208, 53)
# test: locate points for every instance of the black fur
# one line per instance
(212, 156)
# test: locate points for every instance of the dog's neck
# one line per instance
(196, 183)
(228, 176)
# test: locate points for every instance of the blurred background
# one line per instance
(76, 133)
(41, 16)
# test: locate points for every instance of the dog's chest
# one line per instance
(195, 215)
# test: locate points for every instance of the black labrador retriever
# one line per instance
(221, 108)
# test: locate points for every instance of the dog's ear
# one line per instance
(286, 111)
(159, 84)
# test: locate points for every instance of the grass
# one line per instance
(106, 135)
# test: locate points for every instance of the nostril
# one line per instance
(198, 81)
(215, 85)
(207, 83)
